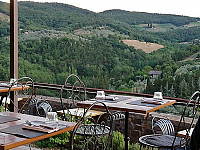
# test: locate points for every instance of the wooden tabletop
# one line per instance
(124, 106)
(8, 141)
(4, 89)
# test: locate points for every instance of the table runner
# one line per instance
(4, 119)
(18, 131)
(139, 102)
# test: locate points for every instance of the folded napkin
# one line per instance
(41, 126)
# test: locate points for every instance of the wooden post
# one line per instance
(13, 49)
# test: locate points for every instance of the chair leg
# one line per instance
(140, 146)
(1, 100)
(29, 145)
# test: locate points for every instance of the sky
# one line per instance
(179, 7)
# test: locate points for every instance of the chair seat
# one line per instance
(162, 141)
(93, 130)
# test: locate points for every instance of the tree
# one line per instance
(172, 92)
(184, 89)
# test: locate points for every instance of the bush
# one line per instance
(1, 108)
(118, 141)
(62, 141)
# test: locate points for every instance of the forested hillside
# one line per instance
(134, 18)
(56, 40)
(56, 16)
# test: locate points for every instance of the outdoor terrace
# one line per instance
(139, 123)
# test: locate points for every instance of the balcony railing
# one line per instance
(38, 85)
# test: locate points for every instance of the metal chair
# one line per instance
(194, 143)
(118, 121)
(29, 104)
(93, 135)
(161, 126)
(71, 92)
(167, 139)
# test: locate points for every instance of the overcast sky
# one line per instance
(179, 7)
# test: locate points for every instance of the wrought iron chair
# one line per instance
(71, 92)
(169, 141)
(93, 135)
(161, 126)
(194, 143)
(118, 120)
(29, 103)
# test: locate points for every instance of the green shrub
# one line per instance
(62, 141)
(1, 108)
(118, 141)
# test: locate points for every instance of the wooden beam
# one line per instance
(14, 47)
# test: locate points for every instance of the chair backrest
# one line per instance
(25, 93)
(95, 134)
(38, 107)
(72, 91)
(188, 116)
(164, 125)
(30, 104)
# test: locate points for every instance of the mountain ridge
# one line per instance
(87, 17)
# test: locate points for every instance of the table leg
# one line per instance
(1, 100)
(126, 138)
(2, 96)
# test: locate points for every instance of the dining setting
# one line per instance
(20, 128)
(12, 125)
(28, 128)
(90, 118)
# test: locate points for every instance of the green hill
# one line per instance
(36, 16)
(54, 16)
(4, 8)
(56, 40)
(134, 18)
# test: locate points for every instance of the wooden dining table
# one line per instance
(128, 104)
(13, 138)
(5, 88)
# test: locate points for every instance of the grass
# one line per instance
(164, 27)
(4, 17)
(144, 46)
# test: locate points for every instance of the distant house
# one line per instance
(154, 74)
